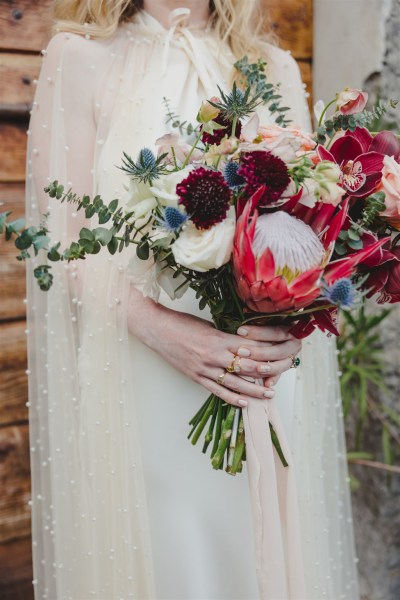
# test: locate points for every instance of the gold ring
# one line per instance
(295, 361)
(220, 378)
(231, 368)
(236, 366)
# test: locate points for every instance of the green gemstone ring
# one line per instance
(295, 361)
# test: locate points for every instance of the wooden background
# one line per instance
(24, 32)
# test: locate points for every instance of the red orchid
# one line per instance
(390, 291)
(383, 275)
(360, 158)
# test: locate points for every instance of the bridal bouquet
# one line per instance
(264, 221)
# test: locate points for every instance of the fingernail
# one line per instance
(242, 331)
(244, 352)
(237, 369)
(264, 369)
(242, 402)
(271, 383)
(269, 394)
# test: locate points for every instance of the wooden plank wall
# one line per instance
(24, 32)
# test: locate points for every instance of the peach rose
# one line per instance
(391, 186)
(288, 143)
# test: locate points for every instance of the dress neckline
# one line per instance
(179, 19)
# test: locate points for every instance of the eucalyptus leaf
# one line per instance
(112, 245)
(112, 207)
(143, 250)
(103, 235)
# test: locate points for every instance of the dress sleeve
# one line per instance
(284, 70)
(63, 131)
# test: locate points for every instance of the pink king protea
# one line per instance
(279, 260)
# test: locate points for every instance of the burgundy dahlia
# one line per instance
(206, 197)
(217, 136)
(263, 168)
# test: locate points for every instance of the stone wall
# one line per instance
(357, 42)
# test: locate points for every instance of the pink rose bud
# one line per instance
(207, 111)
(351, 101)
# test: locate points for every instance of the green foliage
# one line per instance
(301, 170)
(360, 362)
(43, 277)
(350, 122)
(349, 239)
(184, 127)
(120, 234)
(254, 74)
(374, 204)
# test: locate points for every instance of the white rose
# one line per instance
(164, 188)
(139, 199)
(205, 249)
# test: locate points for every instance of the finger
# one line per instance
(224, 393)
(272, 369)
(264, 353)
(271, 381)
(241, 386)
(265, 333)
(248, 367)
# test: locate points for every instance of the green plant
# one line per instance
(361, 366)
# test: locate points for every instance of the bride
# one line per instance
(122, 505)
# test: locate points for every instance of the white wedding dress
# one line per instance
(123, 506)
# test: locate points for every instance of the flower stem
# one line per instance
(203, 421)
(186, 161)
(209, 434)
(277, 446)
(201, 411)
(226, 433)
(218, 428)
(234, 123)
(232, 444)
(321, 119)
(238, 456)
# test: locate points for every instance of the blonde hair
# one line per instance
(234, 21)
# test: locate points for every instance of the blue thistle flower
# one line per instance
(231, 174)
(146, 158)
(172, 219)
(146, 168)
(343, 293)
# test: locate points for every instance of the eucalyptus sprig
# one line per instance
(91, 240)
(255, 77)
(184, 127)
(340, 122)
(373, 205)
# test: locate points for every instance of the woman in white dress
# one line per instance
(122, 505)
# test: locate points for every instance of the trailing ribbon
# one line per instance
(273, 495)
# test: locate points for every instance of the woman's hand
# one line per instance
(194, 347)
(271, 348)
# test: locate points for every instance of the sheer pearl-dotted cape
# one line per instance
(91, 535)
